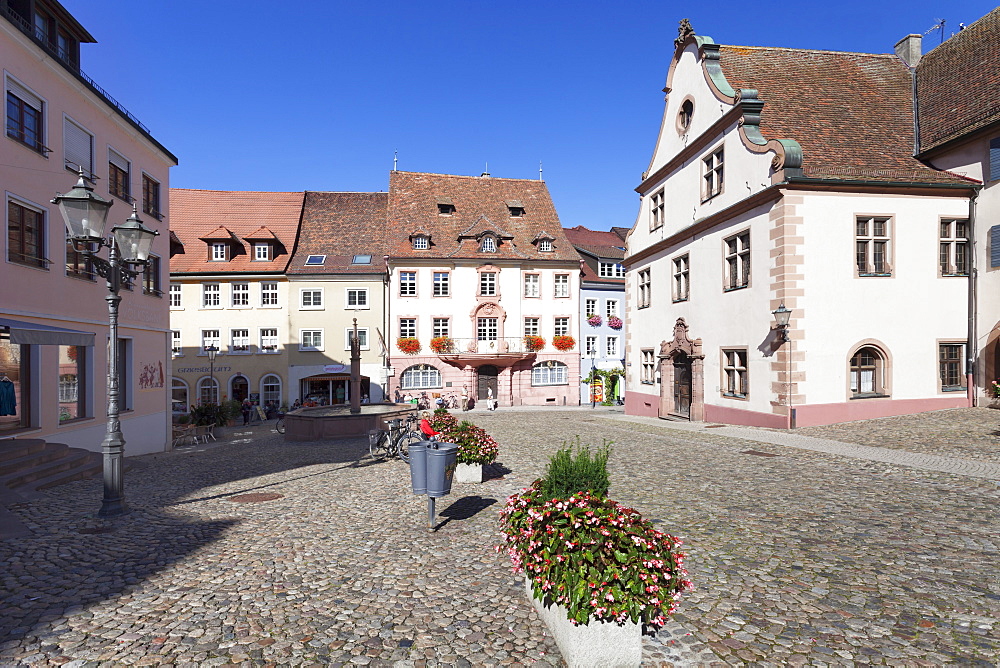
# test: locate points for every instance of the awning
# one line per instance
(44, 335)
(333, 376)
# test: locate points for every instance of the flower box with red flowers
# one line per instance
(442, 344)
(408, 345)
(533, 343)
(563, 342)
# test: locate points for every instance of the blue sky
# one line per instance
(318, 95)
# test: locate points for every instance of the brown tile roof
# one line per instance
(957, 83)
(480, 205)
(852, 113)
(605, 245)
(340, 226)
(196, 215)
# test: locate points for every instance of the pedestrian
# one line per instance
(465, 397)
(489, 399)
(247, 408)
(398, 396)
(296, 404)
(425, 426)
(341, 393)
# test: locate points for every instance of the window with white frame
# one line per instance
(211, 295)
(219, 251)
(869, 373)
(611, 347)
(240, 341)
(311, 299)
(488, 284)
(261, 251)
(954, 257)
(712, 174)
(872, 240)
(590, 307)
(175, 295)
(270, 389)
(734, 370)
(175, 343)
(362, 337)
(531, 327)
(560, 327)
(610, 269)
(611, 308)
(311, 339)
(210, 339)
(645, 289)
(407, 283)
(545, 245)
(420, 242)
(532, 287)
(590, 345)
(357, 298)
(486, 329)
(208, 390)
(442, 327)
(737, 249)
(408, 327)
(78, 148)
(268, 339)
(550, 373)
(268, 294)
(562, 285)
(420, 377)
(442, 284)
(951, 357)
(682, 285)
(488, 245)
(648, 373)
(656, 210)
(240, 294)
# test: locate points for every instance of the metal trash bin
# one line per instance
(418, 466)
(442, 459)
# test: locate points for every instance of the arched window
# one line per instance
(489, 245)
(270, 389)
(208, 391)
(179, 394)
(868, 373)
(549, 373)
(421, 376)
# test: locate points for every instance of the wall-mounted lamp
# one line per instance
(781, 316)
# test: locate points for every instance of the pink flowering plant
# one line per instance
(614, 322)
(996, 388)
(594, 320)
(475, 446)
(597, 558)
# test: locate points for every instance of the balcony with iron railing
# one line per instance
(511, 345)
(68, 61)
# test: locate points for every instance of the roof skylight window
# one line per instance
(362, 259)
(315, 260)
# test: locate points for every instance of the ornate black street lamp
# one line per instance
(212, 352)
(85, 215)
(593, 376)
(781, 316)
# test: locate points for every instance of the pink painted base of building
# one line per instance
(648, 405)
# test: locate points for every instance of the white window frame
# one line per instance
(442, 284)
(313, 304)
(441, 327)
(268, 340)
(560, 326)
(656, 210)
(738, 260)
(532, 286)
(532, 326)
(488, 245)
(590, 345)
(362, 336)
(645, 288)
(211, 295)
(210, 337)
(648, 373)
(682, 278)
(312, 334)
(407, 328)
(488, 284)
(735, 373)
(239, 295)
(241, 341)
(428, 377)
(176, 350)
(713, 175)
(606, 269)
(421, 242)
(545, 246)
(360, 295)
(175, 297)
(561, 286)
(611, 308)
(611, 348)
(266, 292)
(266, 395)
(261, 251)
(549, 373)
(590, 307)
(220, 251)
(407, 287)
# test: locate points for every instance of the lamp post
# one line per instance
(593, 379)
(781, 316)
(85, 215)
(212, 352)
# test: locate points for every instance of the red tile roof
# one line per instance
(196, 215)
(957, 83)
(480, 205)
(852, 113)
(606, 245)
(340, 226)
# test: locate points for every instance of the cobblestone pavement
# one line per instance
(798, 558)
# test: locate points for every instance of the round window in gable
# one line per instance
(684, 116)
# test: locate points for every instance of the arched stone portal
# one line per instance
(682, 376)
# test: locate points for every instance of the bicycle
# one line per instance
(279, 425)
(396, 441)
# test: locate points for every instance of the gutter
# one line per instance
(868, 183)
(971, 352)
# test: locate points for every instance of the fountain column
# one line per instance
(355, 370)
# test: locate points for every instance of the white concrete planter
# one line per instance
(469, 473)
(596, 645)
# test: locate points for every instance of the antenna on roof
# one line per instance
(539, 170)
(938, 25)
(487, 172)
(395, 159)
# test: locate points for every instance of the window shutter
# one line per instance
(995, 159)
(116, 159)
(78, 148)
(995, 246)
(24, 94)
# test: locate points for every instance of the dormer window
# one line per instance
(220, 251)
(545, 246)
(421, 242)
(488, 245)
(515, 208)
(446, 207)
(262, 251)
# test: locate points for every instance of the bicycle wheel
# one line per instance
(279, 426)
(378, 445)
(403, 444)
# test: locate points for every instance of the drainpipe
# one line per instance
(385, 325)
(971, 352)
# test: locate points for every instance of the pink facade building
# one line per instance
(54, 319)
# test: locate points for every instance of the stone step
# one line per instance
(13, 448)
(50, 471)
(35, 457)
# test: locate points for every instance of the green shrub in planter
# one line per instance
(580, 472)
(475, 446)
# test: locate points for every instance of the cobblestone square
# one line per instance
(805, 557)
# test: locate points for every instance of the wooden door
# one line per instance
(487, 380)
(682, 386)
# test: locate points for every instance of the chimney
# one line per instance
(908, 49)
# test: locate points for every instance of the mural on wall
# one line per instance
(151, 377)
